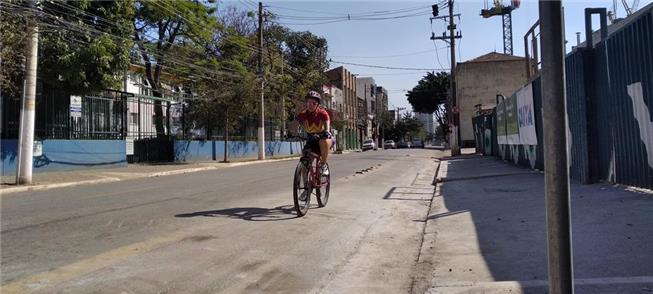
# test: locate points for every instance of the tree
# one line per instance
(173, 24)
(430, 96)
(405, 129)
(430, 91)
(12, 46)
(83, 47)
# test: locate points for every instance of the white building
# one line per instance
(365, 90)
(428, 121)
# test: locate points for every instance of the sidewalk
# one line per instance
(59, 179)
(486, 233)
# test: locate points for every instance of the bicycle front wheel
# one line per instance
(302, 190)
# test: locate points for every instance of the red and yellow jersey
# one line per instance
(314, 122)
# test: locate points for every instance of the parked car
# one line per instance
(369, 145)
(418, 144)
(389, 144)
(403, 144)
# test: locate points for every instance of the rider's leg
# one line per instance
(325, 145)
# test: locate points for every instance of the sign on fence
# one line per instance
(501, 122)
(129, 146)
(512, 127)
(75, 106)
(526, 116)
(37, 149)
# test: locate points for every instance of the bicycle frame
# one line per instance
(313, 172)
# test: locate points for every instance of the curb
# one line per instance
(58, 185)
(150, 175)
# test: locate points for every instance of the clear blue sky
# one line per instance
(363, 41)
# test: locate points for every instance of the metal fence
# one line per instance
(102, 116)
(609, 108)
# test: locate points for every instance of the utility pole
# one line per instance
(283, 100)
(454, 116)
(556, 170)
(261, 124)
(27, 113)
(455, 146)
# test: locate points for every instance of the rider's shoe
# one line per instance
(324, 170)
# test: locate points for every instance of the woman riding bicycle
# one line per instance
(316, 123)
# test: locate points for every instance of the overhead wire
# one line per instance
(385, 67)
(385, 56)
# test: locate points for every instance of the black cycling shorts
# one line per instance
(313, 142)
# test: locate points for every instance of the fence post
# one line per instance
(139, 118)
(183, 121)
(168, 118)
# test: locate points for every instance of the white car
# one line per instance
(369, 145)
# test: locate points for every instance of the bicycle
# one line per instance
(308, 178)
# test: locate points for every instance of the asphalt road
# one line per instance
(227, 230)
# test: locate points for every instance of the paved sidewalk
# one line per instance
(486, 233)
(59, 179)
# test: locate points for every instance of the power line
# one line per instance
(359, 14)
(385, 56)
(386, 67)
(358, 19)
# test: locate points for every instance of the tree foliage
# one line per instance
(83, 45)
(163, 31)
(429, 92)
(405, 129)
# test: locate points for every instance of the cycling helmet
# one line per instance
(314, 95)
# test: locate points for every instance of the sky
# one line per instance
(378, 42)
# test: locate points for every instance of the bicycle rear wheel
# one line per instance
(302, 190)
(322, 193)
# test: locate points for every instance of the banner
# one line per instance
(512, 127)
(501, 123)
(526, 116)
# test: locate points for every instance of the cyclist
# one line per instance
(316, 123)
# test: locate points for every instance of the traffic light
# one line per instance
(436, 10)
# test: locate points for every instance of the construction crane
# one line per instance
(506, 16)
(630, 9)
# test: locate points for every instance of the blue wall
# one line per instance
(67, 155)
(188, 151)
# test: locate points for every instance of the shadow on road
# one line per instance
(248, 213)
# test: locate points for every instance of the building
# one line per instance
(382, 107)
(479, 81)
(366, 90)
(344, 80)
(333, 98)
(428, 123)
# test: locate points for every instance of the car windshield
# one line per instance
(369, 141)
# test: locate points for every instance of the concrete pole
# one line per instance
(558, 214)
(261, 124)
(28, 109)
(455, 134)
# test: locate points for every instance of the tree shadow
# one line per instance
(278, 213)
